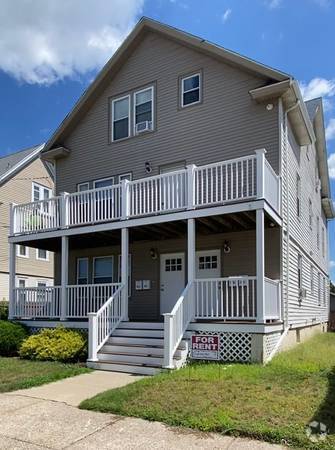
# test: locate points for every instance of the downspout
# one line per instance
(297, 103)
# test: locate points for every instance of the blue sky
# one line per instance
(47, 60)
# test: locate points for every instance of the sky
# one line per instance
(51, 50)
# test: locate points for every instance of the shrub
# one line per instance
(57, 344)
(11, 337)
(3, 310)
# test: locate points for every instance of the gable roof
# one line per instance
(116, 61)
(13, 163)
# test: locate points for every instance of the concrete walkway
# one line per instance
(46, 417)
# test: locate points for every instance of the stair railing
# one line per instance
(102, 323)
(176, 323)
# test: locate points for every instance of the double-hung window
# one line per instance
(22, 251)
(103, 269)
(121, 118)
(82, 271)
(190, 90)
(143, 110)
(41, 193)
(42, 254)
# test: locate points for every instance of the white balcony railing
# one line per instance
(272, 299)
(239, 179)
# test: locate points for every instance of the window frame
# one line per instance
(93, 267)
(130, 174)
(85, 183)
(41, 188)
(85, 258)
(42, 259)
(151, 87)
(113, 101)
(18, 254)
(102, 179)
(17, 284)
(300, 275)
(182, 92)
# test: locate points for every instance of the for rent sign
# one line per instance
(205, 347)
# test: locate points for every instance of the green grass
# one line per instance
(272, 403)
(18, 373)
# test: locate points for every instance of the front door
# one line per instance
(172, 278)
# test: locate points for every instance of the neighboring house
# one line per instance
(192, 196)
(24, 178)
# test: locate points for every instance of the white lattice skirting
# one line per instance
(270, 342)
(233, 347)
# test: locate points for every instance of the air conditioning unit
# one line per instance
(141, 127)
(303, 293)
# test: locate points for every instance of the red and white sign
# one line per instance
(204, 346)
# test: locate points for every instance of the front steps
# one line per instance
(138, 348)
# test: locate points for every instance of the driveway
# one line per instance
(47, 418)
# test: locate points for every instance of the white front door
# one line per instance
(172, 278)
(208, 264)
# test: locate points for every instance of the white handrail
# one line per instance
(102, 323)
(176, 323)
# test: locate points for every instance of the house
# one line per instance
(24, 178)
(192, 197)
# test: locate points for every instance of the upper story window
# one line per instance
(121, 118)
(22, 251)
(81, 187)
(41, 193)
(42, 254)
(298, 189)
(125, 176)
(143, 110)
(190, 90)
(104, 182)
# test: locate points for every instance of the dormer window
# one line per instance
(143, 110)
(190, 90)
(120, 118)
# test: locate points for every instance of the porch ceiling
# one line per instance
(226, 223)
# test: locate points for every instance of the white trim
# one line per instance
(123, 175)
(197, 74)
(151, 88)
(26, 256)
(20, 164)
(102, 179)
(41, 189)
(77, 269)
(85, 183)
(42, 259)
(21, 278)
(93, 266)
(112, 118)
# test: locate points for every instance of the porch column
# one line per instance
(64, 276)
(12, 276)
(191, 257)
(124, 270)
(260, 265)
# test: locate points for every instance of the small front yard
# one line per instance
(274, 403)
(18, 373)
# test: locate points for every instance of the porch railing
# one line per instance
(176, 323)
(272, 290)
(37, 302)
(239, 179)
(225, 298)
(104, 322)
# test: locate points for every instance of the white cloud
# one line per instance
(331, 166)
(226, 15)
(330, 129)
(46, 41)
(273, 4)
(317, 87)
(331, 264)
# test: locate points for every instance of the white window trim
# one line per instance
(152, 108)
(112, 118)
(86, 183)
(93, 268)
(190, 90)
(77, 274)
(122, 175)
(42, 259)
(102, 179)
(46, 282)
(40, 187)
(18, 279)
(26, 256)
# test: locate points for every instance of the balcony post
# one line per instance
(64, 210)
(12, 276)
(191, 186)
(260, 167)
(124, 271)
(64, 277)
(125, 199)
(191, 256)
(260, 265)
(12, 219)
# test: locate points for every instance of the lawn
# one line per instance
(18, 373)
(273, 403)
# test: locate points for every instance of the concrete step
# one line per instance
(142, 325)
(146, 333)
(130, 359)
(119, 367)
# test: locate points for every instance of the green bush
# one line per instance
(57, 344)
(3, 310)
(11, 337)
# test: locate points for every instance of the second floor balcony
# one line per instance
(226, 182)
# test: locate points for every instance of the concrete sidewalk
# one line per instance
(47, 418)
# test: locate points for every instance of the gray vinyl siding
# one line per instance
(144, 305)
(300, 239)
(227, 124)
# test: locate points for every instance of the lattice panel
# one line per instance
(234, 347)
(270, 341)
